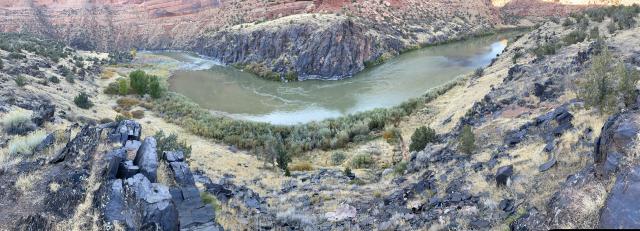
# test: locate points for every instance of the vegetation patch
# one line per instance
(25, 145)
(17, 121)
(82, 101)
(362, 160)
(421, 137)
(171, 143)
(608, 83)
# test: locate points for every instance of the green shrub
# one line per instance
(25, 145)
(155, 90)
(123, 87)
(337, 158)
(399, 168)
(282, 157)
(347, 171)
(627, 84)
(376, 123)
(546, 49)
(467, 140)
(207, 198)
(170, 143)
(70, 78)
(21, 81)
(421, 137)
(362, 160)
(82, 101)
(1, 64)
(574, 37)
(16, 55)
(139, 81)
(517, 55)
(17, 122)
(54, 79)
(112, 89)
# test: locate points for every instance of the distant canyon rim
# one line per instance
(324, 39)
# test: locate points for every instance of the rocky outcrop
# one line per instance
(132, 197)
(310, 48)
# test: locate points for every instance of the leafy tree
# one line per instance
(282, 157)
(83, 101)
(155, 90)
(467, 140)
(627, 84)
(421, 137)
(139, 81)
(598, 87)
(123, 87)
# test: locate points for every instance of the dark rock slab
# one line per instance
(173, 156)
(182, 174)
(113, 159)
(547, 165)
(503, 175)
(622, 210)
(147, 159)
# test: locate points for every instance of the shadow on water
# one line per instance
(242, 95)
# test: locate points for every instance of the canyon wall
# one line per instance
(305, 38)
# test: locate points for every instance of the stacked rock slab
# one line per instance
(132, 198)
(194, 215)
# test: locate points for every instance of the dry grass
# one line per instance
(127, 102)
(138, 114)
(26, 182)
(16, 119)
(164, 175)
(24, 145)
(54, 186)
(301, 166)
(107, 74)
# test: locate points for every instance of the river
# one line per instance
(241, 95)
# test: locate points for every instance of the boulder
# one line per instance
(147, 159)
(158, 209)
(622, 210)
(503, 175)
